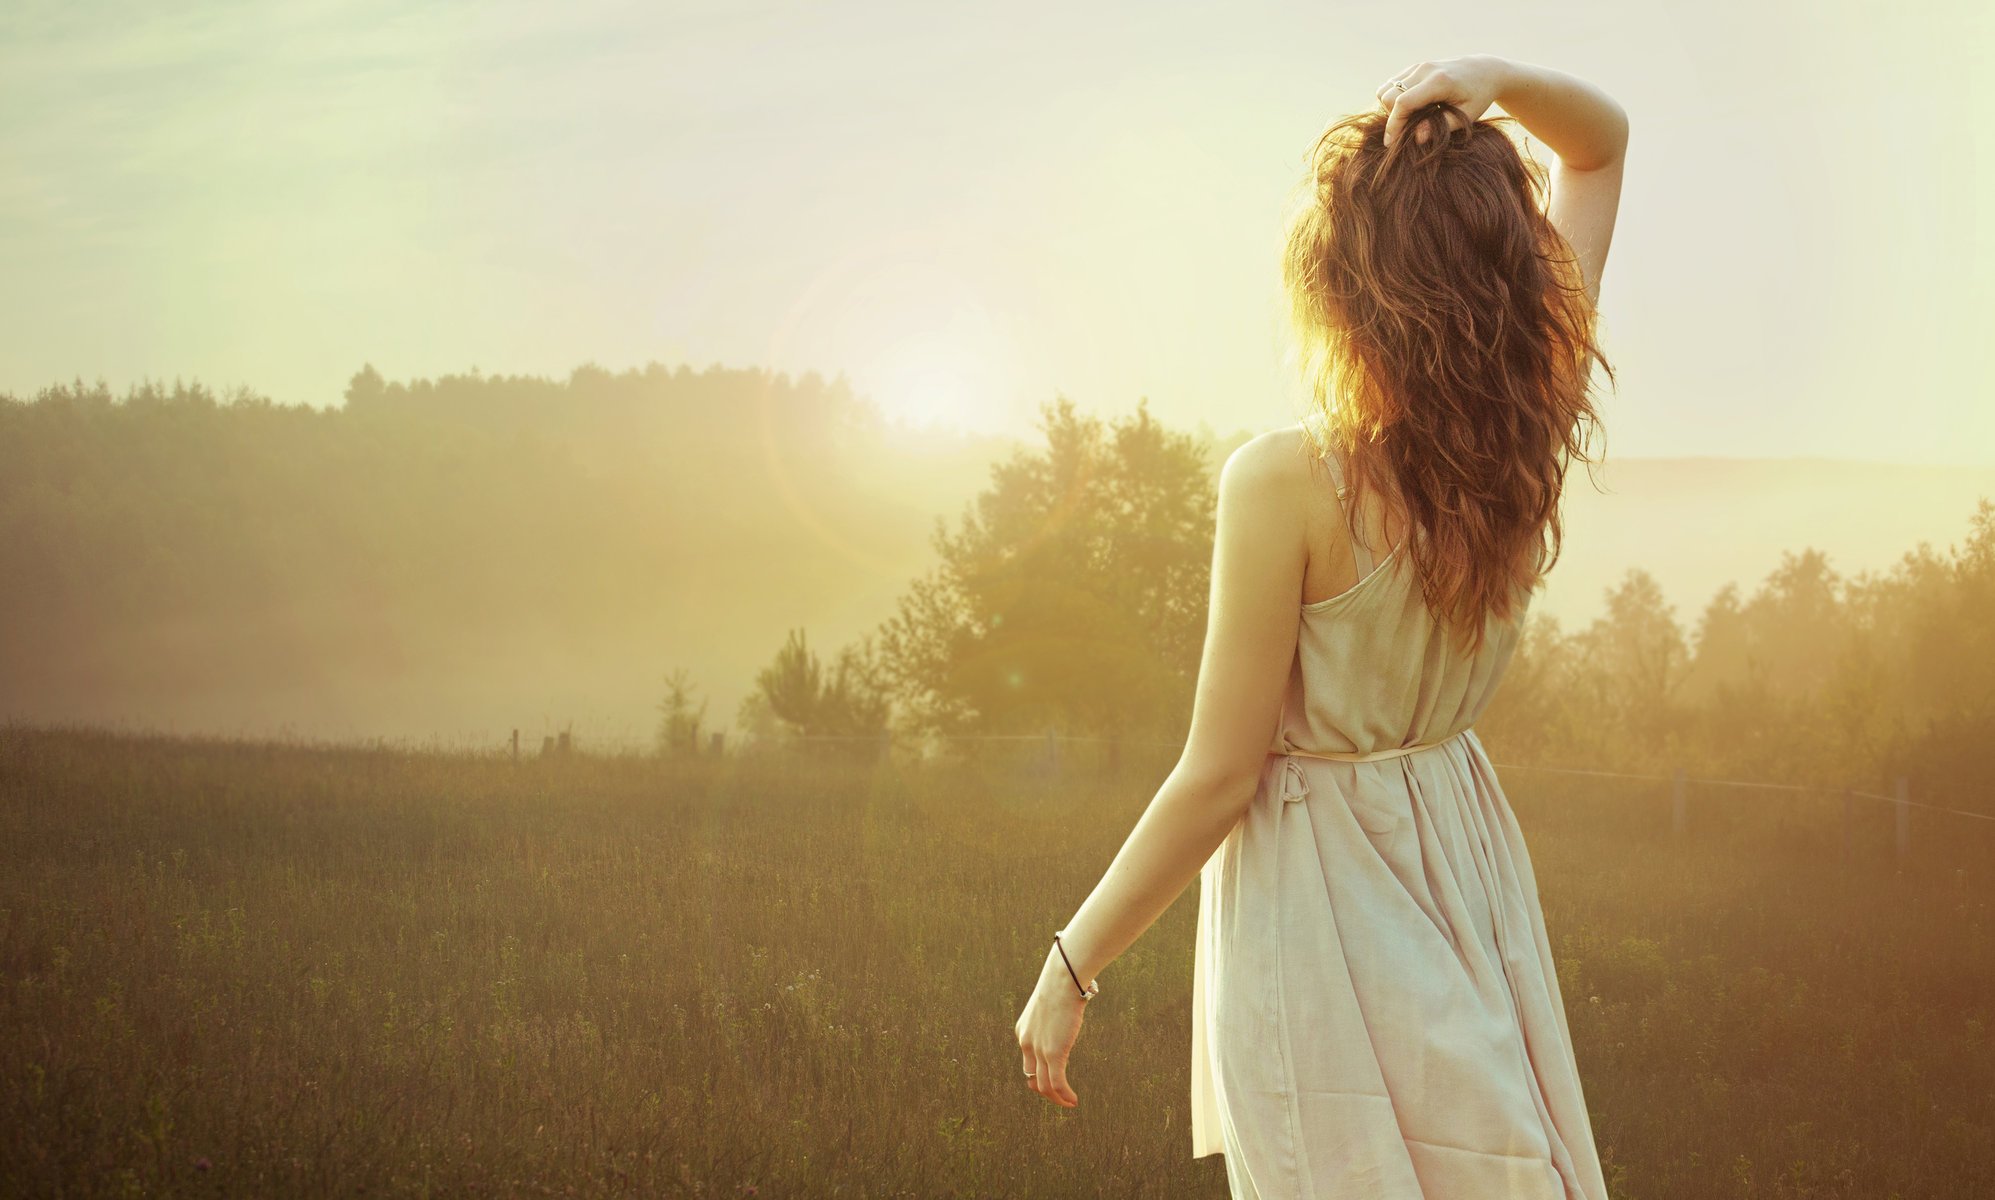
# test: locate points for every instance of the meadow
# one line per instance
(238, 968)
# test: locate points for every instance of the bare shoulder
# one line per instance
(1264, 490)
(1270, 465)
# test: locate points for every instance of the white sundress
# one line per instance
(1375, 1011)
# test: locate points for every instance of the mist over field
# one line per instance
(457, 558)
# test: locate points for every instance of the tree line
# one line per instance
(171, 541)
(1071, 599)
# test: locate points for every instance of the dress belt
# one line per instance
(1395, 752)
(1295, 785)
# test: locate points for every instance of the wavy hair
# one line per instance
(1445, 335)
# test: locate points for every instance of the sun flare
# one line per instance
(932, 384)
(915, 331)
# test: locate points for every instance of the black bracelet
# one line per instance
(1092, 989)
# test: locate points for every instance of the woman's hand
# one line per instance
(1047, 1030)
(1470, 84)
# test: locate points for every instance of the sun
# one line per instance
(922, 333)
(931, 383)
(933, 351)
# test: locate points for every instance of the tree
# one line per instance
(856, 701)
(1798, 623)
(848, 701)
(1637, 657)
(791, 686)
(678, 724)
(1073, 594)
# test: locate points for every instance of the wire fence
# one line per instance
(559, 745)
(1832, 789)
(1677, 777)
(1680, 780)
(1899, 801)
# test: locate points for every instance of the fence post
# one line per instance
(1904, 819)
(516, 745)
(1677, 803)
(1849, 823)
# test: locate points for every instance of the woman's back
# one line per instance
(1374, 668)
(1375, 1009)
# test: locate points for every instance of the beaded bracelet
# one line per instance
(1093, 987)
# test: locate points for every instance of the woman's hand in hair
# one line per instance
(1470, 84)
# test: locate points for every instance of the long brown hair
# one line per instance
(1445, 334)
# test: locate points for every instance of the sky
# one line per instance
(967, 211)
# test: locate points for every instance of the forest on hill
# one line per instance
(474, 553)
(493, 553)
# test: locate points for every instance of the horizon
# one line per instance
(1202, 426)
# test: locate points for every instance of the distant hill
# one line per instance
(1697, 524)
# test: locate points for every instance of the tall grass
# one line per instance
(236, 968)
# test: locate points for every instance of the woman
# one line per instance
(1375, 1011)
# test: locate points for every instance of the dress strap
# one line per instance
(1361, 554)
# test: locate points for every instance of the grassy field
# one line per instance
(229, 968)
